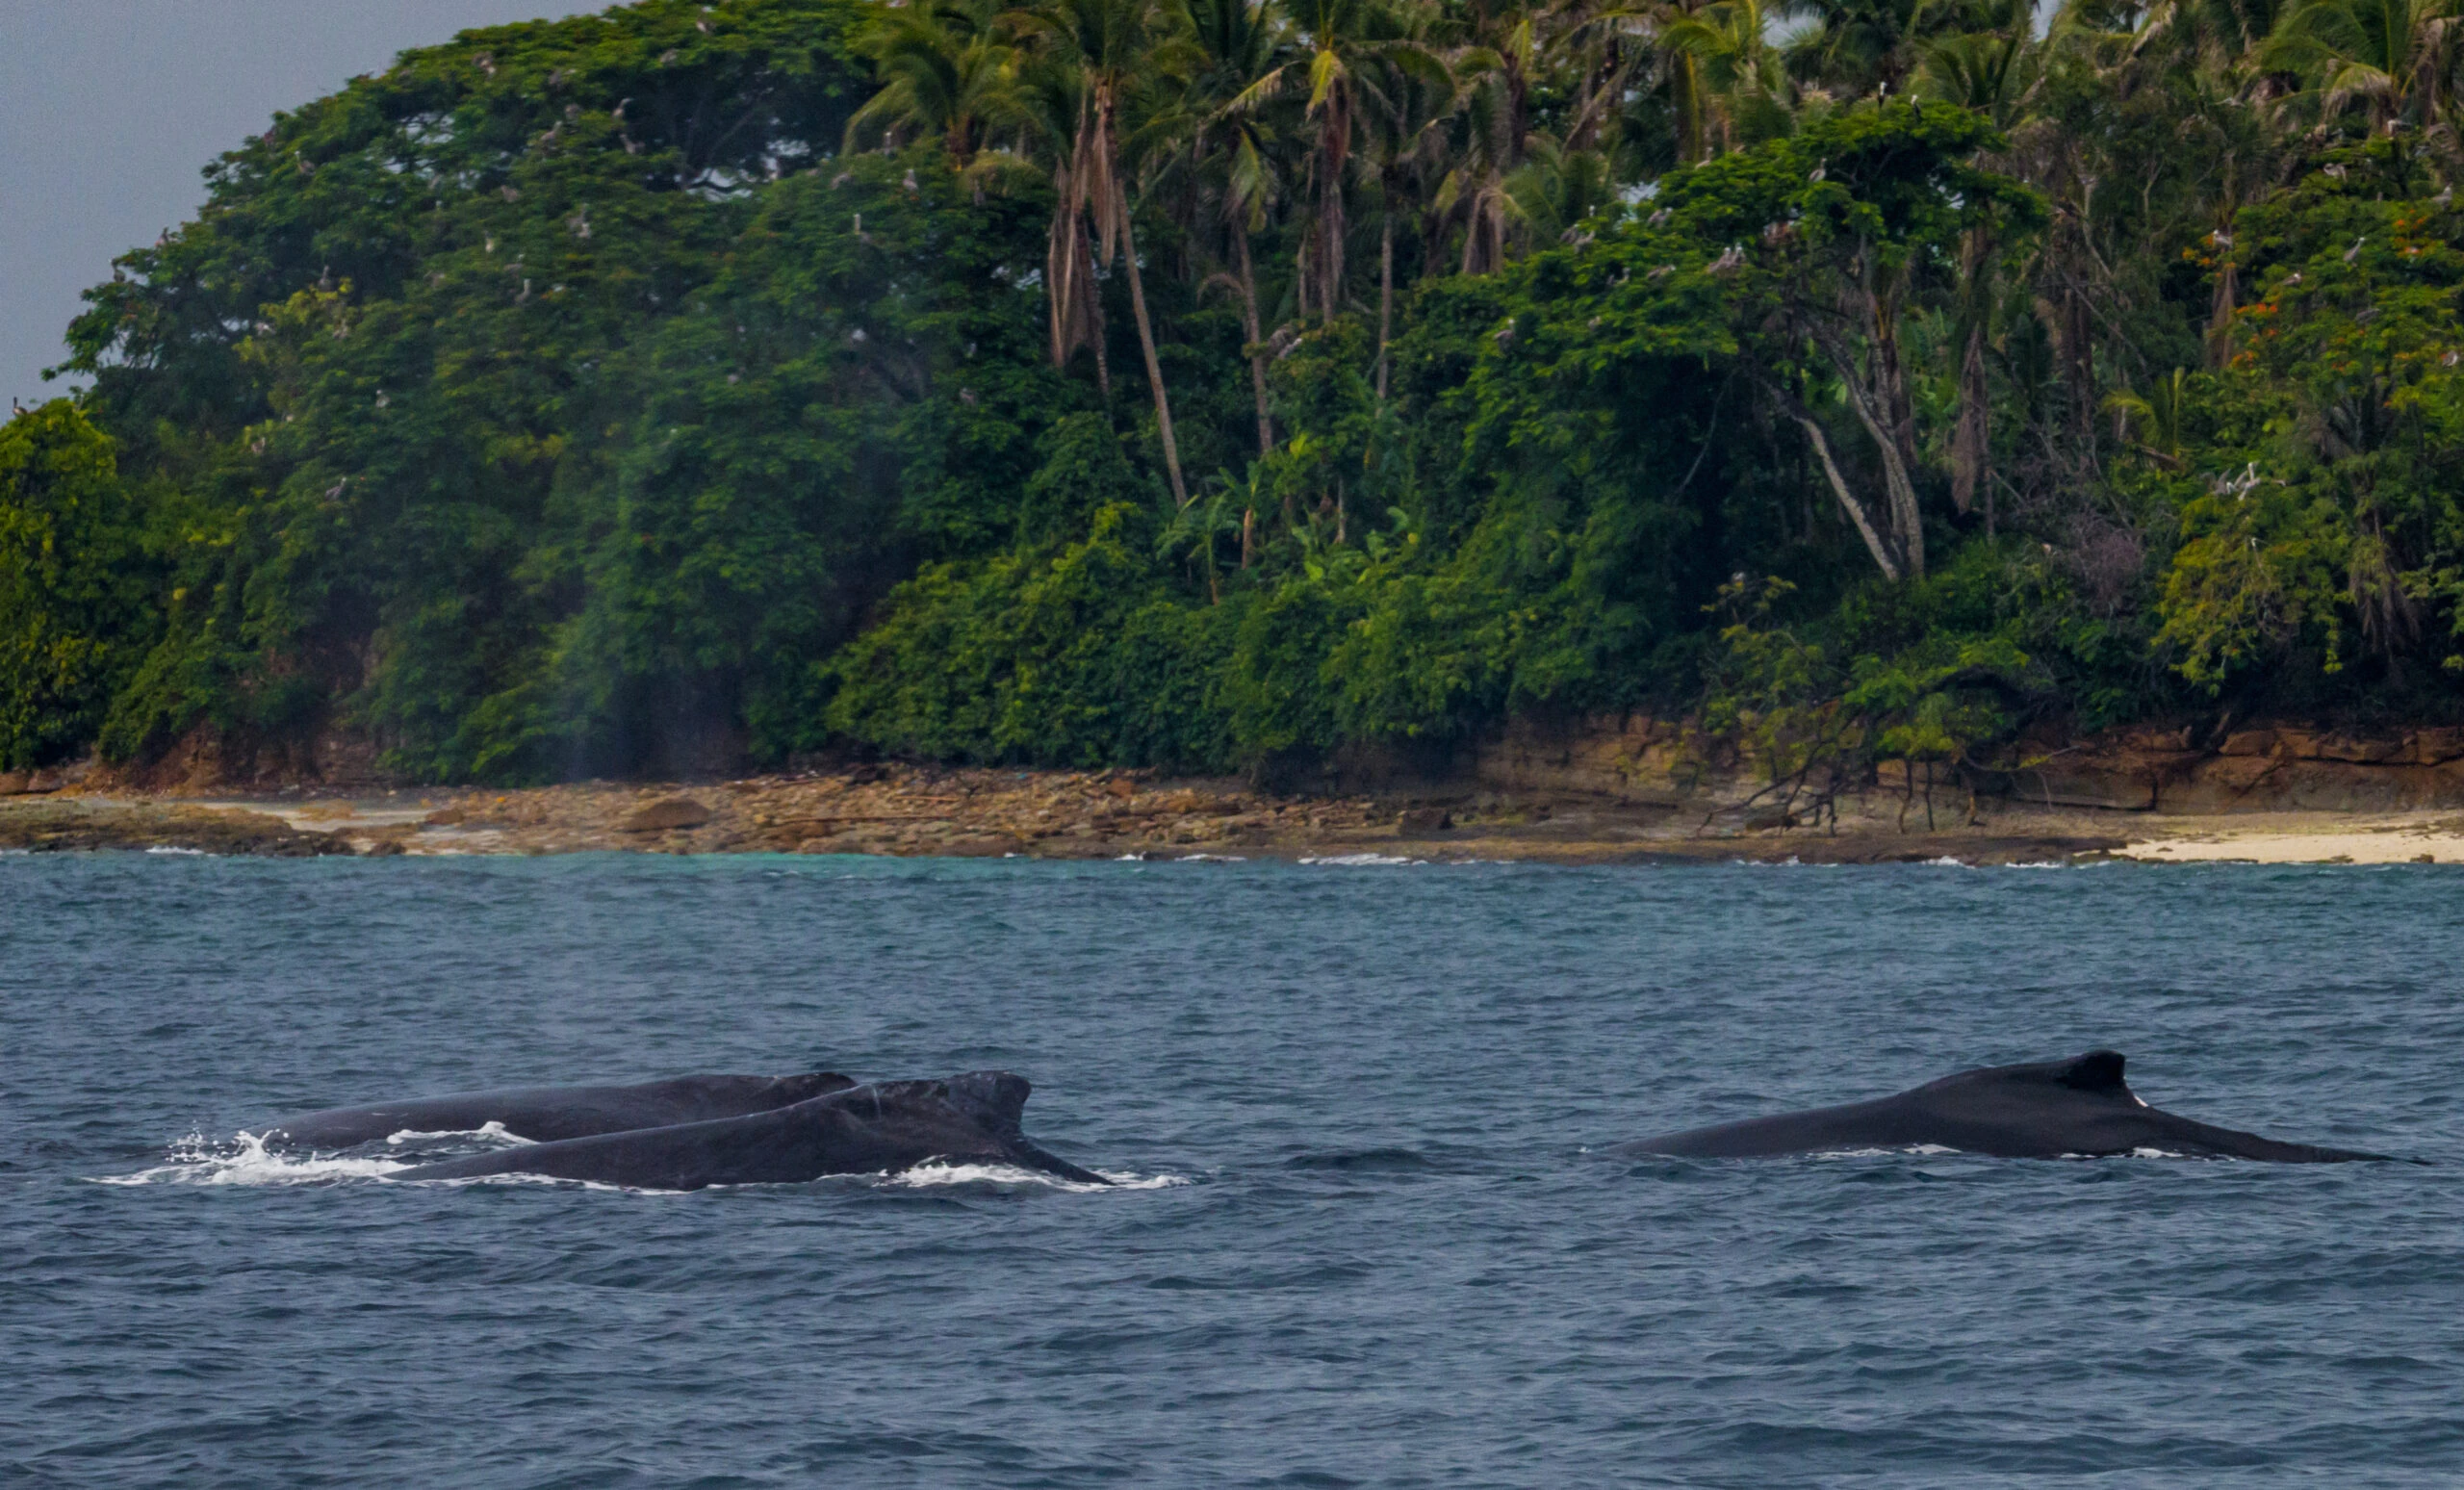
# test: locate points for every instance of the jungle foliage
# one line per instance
(1207, 383)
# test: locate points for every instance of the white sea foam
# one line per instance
(928, 1176)
(1917, 1150)
(165, 848)
(488, 1130)
(1209, 858)
(244, 1161)
(1360, 860)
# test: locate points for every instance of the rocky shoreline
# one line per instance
(1548, 801)
(919, 811)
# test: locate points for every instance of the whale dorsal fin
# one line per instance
(2098, 1070)
(997, 1100)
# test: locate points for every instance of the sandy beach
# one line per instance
(2301, 839)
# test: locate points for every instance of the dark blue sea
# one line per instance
(1364, 1240)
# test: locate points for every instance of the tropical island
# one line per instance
(1745, 415)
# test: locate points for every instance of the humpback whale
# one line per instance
(876, 1128)
(545, 1114)
(2080, 1107)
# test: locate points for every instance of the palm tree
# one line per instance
(1232, 149)
(1406, 152)
(2389, 56)
(1994, 73)
(1350, 51)
(1498, 71)
(1111, 46)
(1866, 47)
(1727, 75)
(945, 73)
(1052, 99)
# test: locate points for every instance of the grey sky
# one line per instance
(109, 109)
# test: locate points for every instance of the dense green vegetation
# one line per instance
(1210, 384)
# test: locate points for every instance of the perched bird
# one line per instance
(2354, 252)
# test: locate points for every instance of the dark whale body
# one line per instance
(546, 1114)
(2043, 1110)
(879, 1128)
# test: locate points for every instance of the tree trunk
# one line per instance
(1385, 296)
(2220, 319)
(1256, 335)
(1970, 441)
(1875, 543)
(1077, 315)
(1154, 368)
(1970, 444)
(1904, 526)
(1907, 528)
(1898, 411)
(1334, 130)
(1113, 200)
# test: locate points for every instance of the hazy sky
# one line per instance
(109, 109)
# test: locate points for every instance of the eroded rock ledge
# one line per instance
(1597, 791)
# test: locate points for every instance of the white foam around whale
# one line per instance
(486, 1130)
(245, 1161)
(926, 1177)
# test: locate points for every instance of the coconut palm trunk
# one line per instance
(1255, 335)
(1385, 296)
(1110, 200)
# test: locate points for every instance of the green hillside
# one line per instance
(1185, 383)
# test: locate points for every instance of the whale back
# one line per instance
(879, 1127)
(546, 1114)
(2079, 1106)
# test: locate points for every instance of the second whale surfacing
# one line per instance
(545, 1114)
(883, 1127)
(2078, 1108)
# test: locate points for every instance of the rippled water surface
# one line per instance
(1368, 1245)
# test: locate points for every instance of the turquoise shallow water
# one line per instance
(1367, 1246)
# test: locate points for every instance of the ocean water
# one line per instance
(1367, 1242)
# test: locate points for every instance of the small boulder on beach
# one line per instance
(668, 813)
